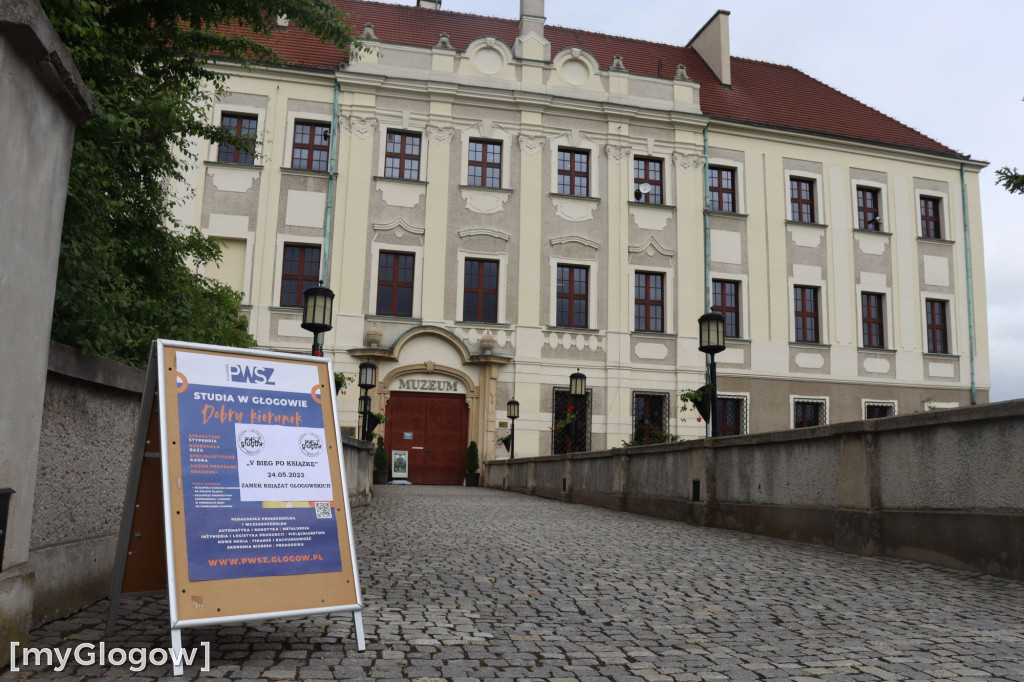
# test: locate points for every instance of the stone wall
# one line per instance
(42, 100)
(89, 417)
(945, 487)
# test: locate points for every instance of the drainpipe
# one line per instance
(331, 175)
(707, 260)
(970, 286)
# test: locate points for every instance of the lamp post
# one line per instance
(577, 391)
(317, 303)
(712, 341)
(367, 380)
(512, 412)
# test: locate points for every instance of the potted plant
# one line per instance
(380, 463)
(696, 398)
(472, 465)
(505, 440)
(340, 382)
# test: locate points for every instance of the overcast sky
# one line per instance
(950, 69)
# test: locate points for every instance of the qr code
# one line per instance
(323, 510)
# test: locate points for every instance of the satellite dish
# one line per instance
(645, 188)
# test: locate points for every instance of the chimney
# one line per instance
(531, 43)
(429, 4)
(712, 44)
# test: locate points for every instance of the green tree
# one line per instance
(1012, 180)
(127, 266)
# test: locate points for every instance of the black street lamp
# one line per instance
(712, 342)
(367, 380)
(317, 304)
(512, 412)
(578, 392)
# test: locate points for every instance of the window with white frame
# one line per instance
(300, 270)
(809, 412)
(879, 409)
(402, 155)
(572, 295)
(243, 127)
(937, 325)
(484, 165)
(872, 312)
(480, 290)
(311, 144)
(650, 417)
(574, 172)
(731, 414)
(806, 314)
(722, 189)
(649, 301)
(648, 171)
(395, 283)
(805, 200)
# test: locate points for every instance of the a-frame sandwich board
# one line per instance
(236, 503)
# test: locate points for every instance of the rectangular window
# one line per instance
(395, 283)
(938, 331)
(648, 171)
(809, 413)
(484, 164)
(649, 302)
(931, 223)
(729, 416)
(570, 422)
(879, 410)
(311, 146)
(402, 156)
(871, 318)
(726, 301)
(573, 172)
(243, 127)
(301, 270)
(650, 417)
(571, 296)
(722, 187)
(867, 209)
(480, 291)
(801, 200)
(805, 312)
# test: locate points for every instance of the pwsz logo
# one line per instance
(311, 444)
(251, 442)
(251, 375)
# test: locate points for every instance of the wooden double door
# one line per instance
(434, 429)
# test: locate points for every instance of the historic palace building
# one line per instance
(499, 203)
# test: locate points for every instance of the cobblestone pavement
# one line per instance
(475, 583)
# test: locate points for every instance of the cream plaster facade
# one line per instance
(533, 106)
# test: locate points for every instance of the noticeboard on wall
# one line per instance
(255, 509)
(399, 464)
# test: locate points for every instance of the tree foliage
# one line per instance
(1011, 180)
(127, 266)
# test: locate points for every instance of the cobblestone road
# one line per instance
(463, 582)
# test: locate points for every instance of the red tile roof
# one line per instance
(761, 94)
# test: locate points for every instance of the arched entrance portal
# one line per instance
(433, 428)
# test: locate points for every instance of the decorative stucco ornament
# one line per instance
(373, 336)
(487, 343)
